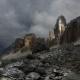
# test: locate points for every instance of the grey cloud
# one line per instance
(18, 17)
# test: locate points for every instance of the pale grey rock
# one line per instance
(33, 76)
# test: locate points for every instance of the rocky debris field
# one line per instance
(60, 63)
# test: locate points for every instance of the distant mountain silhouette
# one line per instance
(4, 49)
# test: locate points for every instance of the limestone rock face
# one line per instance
(72, 32)
(60, 27)
(51, 38)
(29, 39)
(19, 43)
(52, 42)
(51, 35)
(40, 45)
(57, 32)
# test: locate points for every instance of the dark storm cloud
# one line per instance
(18, 17)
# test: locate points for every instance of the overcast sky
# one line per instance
(18, 17)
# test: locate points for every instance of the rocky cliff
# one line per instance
(65, 33)
(32, 59)
(30, 42)
(51, 38)
(56, 33)
(62, 33)
(51, 35)
(72, 32)
(19, 43)
(59, 27)
(29, 39)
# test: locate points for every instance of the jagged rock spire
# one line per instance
(60, 27)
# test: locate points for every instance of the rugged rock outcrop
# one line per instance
(36, 41)
(57, 63)
(19, 43)
(40, 45)
(29, 39)
(51, 38)
(30, 42)
(57, 32)
(51, 35)
(64, 33)
(72, 32)
(53, 42)
(60, 27)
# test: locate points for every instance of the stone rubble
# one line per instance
(57, 65)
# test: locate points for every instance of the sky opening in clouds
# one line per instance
(18, 17)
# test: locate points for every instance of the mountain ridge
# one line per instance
(33, 58)
(57, 36)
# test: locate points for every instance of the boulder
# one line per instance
(30, 56)
(33, 76)
(71, 76)
(76, 68)
(28, 68)
(12, 73)
(41, 70)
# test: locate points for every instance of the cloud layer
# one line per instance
(18, 17)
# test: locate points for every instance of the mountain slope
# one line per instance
(1, 49)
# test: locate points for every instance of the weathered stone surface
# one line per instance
(30, 56)
(29, 39)
(72, 32)
(71, 76)
(59, 63)
(19, 43)
(40, 47)
(33, 76)
(51, 38)
(60, 27)
(25, 48)
(57, 32)
(51, 35)
(5, 78)
(41, 70)
(52, 42)
(36, 42)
